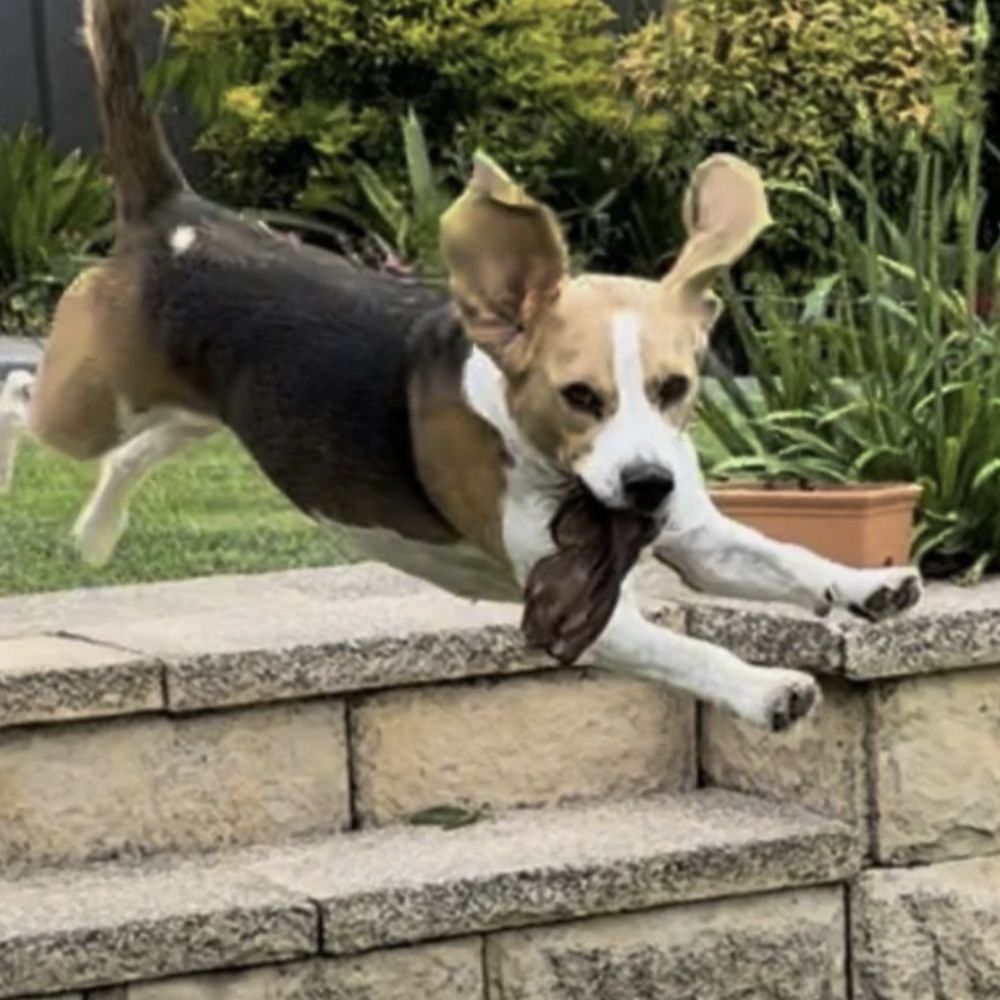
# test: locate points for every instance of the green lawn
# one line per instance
(209, 511)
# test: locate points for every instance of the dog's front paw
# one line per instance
(878, 594)
(781, 699)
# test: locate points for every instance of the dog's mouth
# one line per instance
(571, 594)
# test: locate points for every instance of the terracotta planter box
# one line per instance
(864, 525)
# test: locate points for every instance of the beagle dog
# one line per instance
(442, 430)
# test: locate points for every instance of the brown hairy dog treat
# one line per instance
(571, 594)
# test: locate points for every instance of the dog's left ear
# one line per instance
(725, 210)
(507, 260)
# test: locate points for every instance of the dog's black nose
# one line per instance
(647, 486)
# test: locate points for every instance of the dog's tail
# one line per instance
(143, 168)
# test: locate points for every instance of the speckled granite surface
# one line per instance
(110, 925)
(211, 643)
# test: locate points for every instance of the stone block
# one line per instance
(819, 764)
(930, 933)
(401, 884)
(775, 635)
(937, 767)
(134, 786)
(448, 971)
(783, 946)
(144, 922)
(87, 928)
(47, 678)
(521, 742)
(952, 628)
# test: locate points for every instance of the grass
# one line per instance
(210, 511)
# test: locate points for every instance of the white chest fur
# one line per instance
(533, 486)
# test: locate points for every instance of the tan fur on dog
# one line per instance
(100, 370)
(461, 460)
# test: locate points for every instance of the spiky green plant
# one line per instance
(51, 210)
(413, 226)
(890, 370)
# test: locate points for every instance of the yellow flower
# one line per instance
(243, 100)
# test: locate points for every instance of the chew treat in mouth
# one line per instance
(571, 594)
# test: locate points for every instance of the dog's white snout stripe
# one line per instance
(636, 434)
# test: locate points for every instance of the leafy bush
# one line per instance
(796, 87)
(296, 92)
(891, 372)
(51, 210)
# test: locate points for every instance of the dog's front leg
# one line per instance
(769, 697)
(720, 556)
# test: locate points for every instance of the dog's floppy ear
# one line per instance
(725, 210)
(506, 257)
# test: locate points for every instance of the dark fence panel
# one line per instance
(19, 99)
(73, 119)
(72, 114)
(44, 74)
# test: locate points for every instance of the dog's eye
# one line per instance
(672, 390)
(580, 396)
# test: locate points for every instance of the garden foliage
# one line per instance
(52, 208)
(299, 91)
(890, 370)
(797, 87)
(294, 93)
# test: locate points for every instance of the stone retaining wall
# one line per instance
(209, 715)
(906, 749)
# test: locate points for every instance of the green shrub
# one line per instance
(297, 92)
(51, 210)
(294, 93)
(795, 86)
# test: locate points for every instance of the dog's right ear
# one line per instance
(507, 260)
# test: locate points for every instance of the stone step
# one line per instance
(220, 642)
(237, 710)
(130, 787)
(317, 904)
(952, 629)
(217, 713)
(228, 641)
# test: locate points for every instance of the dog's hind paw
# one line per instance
(15, 395)
(97, 534)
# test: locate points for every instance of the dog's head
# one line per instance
(601, 372)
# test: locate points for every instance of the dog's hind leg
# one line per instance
(102, 521)
(15, 397)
